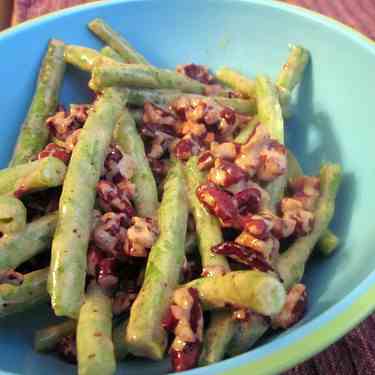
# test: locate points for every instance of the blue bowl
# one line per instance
(333, 121)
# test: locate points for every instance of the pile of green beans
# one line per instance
(124, 80)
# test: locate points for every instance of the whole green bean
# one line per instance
(269, 110)
(292, 71)
(108, 51)
(328, 242)
(217, 337)
(146, 192)
(34, 134)
(145, 335)
(95, 351)
(117, 42)
(163, 98)
(69, 247)
(32, 291)
(81, 57)
(16, 248)
(255, 290)
(107, 72)
(247, 334)
(207, 226)
(37, 175)
(12, 215)
(236, 81)
(46, 339)
(291, 263)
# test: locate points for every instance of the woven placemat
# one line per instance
(355, 353)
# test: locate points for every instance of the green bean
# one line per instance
(16, 248)
(37, 175)
(46, 339)
(236, 81)
(34, 134)
(269, 110)
(108, 51)
(117, 42)
(107, 72)
(95, 351)
(12, 215)
(247, 334)
(291, 263)
(81, 57)
(328, 242)
(255, 290)
(290, 75)
(207, 226)
(118, 338)
(243, 136)
(32, 291)
(146, 192)
(145, 335)
(209, 234)
(163, 98)
(69, 246)
(217, 337)
(292, 71)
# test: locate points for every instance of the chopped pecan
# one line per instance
(110, 234)
(306, 189)
(205, 160)
(58, 152)
(226, 173)
(114, 198)
(122, 301)
(63, 124)
(187, 147)
(67, 349)
(142, 234)
(11, 277)
(187, 311)
(248, 200)
(118, 166)
(243, 254)
(262, 246)
(257, 225)
(293, 210)
(219, 203)
(225, 150)
(108, 274)
(94, 257)
(273, 161)
(193, 128)
(158, 118)
(197, 72)
(294, 308)
(249, 157)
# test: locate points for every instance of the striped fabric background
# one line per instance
(355, 353)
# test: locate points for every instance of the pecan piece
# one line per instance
(56, 151)
(197, 72)
(294, 308)
(242, 254)
(226, 173)
(219, 203)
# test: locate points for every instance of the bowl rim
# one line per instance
(310, 338)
